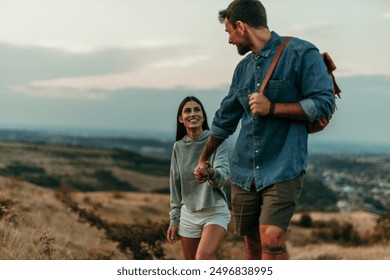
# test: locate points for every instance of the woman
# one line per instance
(199, 212)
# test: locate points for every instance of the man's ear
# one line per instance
(240, 26)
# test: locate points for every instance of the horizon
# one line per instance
(315, 144)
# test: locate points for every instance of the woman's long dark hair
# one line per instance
(180, 128)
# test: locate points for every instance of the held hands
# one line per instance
(203, 172)
(259, 104)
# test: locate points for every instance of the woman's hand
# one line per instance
(172, 234)
(203, 172)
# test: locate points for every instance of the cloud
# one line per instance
(386, 15)
(21, 64)
(313, 29)
(153, 44)
(26, 64)
(180, 62)
(152, 76)
(54, 73)
(50, 72)
(136, 45)
(66, 47)
(32, 90)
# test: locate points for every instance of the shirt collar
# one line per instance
(271, 44)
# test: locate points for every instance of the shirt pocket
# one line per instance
(282, 91)
(243, 96)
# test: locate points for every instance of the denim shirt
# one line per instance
(270, 149)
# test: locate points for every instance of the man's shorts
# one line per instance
(192, 222)
(274, 205)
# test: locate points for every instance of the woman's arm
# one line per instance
(220, 165)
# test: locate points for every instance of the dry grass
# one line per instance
(35, 225)
(336, 252)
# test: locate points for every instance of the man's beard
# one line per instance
(244, 47)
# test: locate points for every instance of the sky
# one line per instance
(126, 65)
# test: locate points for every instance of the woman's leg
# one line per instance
(212, 236)
(189, 247)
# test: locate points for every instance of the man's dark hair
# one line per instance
(251, 12)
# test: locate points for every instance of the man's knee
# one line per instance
(273, 239)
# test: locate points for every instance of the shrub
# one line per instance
(382, 229)
(138, 241)
(305, 221)
(344, 234)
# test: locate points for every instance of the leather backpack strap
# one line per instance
(273, 64)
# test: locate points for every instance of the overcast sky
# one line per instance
(70, 52)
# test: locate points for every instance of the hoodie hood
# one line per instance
(201, 137)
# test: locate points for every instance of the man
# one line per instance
(270, 157)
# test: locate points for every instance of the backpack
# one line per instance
(318, 125)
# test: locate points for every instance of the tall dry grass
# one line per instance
(137, 241)
(36, 226)
(40, 224)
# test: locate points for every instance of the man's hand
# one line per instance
(201, 171)
(259, 104)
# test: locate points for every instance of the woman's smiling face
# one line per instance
(192, 115)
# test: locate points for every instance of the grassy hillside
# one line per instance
(67, 202)
(40, 223)
(81, 168)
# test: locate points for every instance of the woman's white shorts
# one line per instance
(192, 222)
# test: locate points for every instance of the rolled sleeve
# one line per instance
(309, 108)
(315, 84)
(219, 133)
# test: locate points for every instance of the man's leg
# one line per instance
(278, 206)
(246, 212)
(252, 246)
(273, 243)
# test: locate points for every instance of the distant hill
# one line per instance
(83, 168)
(333, 181)
(143, 145)
(317, 145)
(152, 145)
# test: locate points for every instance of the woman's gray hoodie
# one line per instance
(185, 189)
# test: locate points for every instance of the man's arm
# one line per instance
(211, 146)
(289, 110)
(261, 105)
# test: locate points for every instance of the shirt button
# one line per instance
(258, 84)
(258, 67)
(257, 167)
(257, 151)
